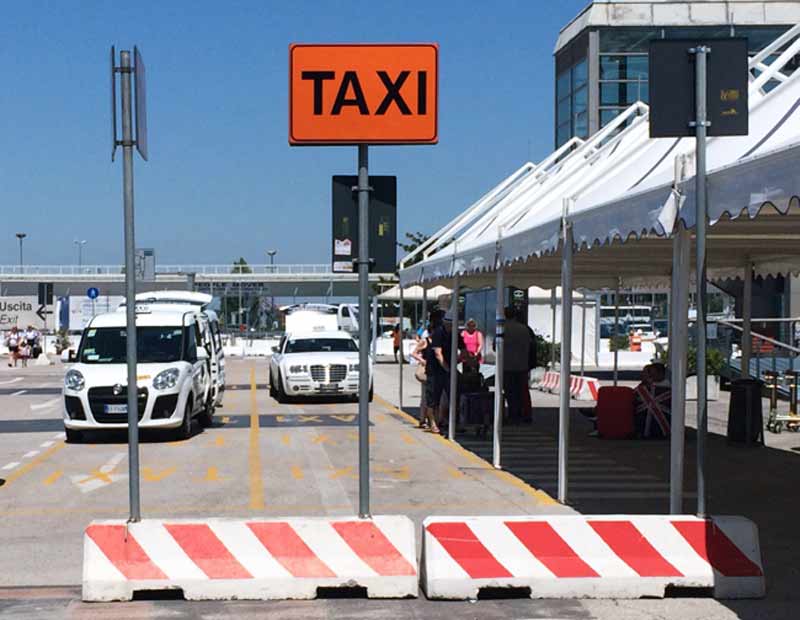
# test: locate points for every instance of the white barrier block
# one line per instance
(258, 559)
(577, 556)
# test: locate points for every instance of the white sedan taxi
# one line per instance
(323, 363)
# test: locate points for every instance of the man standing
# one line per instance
(517, 343)
(441, 341)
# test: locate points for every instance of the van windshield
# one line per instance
(107, 345)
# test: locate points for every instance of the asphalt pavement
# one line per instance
(259, 459)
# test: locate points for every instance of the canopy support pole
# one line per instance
(499, 347)
(616, 334)
(583, 334)
(678, 343)
(566, 358)
(451, 418)
(400, 370)
(422, 403)
(553, 338)
(374, 347)
(747, 316)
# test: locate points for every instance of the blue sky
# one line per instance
(222, 181)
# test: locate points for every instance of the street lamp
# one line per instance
(271, 254)
(21, 236)
(80, 245)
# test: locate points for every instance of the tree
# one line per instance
(414, 240)
(241, 266)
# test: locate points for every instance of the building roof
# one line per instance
(604, 13)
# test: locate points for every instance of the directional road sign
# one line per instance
(92, 293)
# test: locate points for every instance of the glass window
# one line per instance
(321, 345)
(627, 39)
(563, 133)
(582, 124)
(623, 93)
(759, 37)
(694, 32)
(609, 114)
(107, 345)
(563, 111)
(623, 67)
(580, 99)
(563, 85)
(579, 74)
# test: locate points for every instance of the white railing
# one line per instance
(227, 269)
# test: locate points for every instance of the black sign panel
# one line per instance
(140, 105)
(45, 293)
(382, 223)
(672, 87)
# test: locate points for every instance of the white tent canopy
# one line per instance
(414, 293)
(622, 184)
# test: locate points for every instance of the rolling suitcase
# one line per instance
(614, 412)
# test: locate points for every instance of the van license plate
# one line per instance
(115, 408)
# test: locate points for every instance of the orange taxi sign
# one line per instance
(363, 93)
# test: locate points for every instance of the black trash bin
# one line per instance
(744, 412)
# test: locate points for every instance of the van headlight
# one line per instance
(74, 380)
(298, 369)
(166, 379)
(353, 368)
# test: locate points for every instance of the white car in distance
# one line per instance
(321, 363)
(173, 382)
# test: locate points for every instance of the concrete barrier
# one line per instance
(581, 388)
(216, 559)
(591, 556)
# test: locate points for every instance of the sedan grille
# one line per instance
(338, 372)
(318, 374)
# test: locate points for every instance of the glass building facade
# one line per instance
(604, 70)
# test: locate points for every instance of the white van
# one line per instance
(173, 382)
(303, 318)
(210, 333)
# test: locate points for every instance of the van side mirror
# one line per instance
(275, 350)
(202, 354)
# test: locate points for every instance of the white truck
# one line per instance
(306, 318)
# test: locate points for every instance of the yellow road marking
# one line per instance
(297, 472)
(96, 474)
(53, 477)
(280, 418)
(285, 439)
(354, 436)
(322, 439)
(254, 456)
(341, 472)
(408, 439)
(454, 472)
(398, 473)
(378, 417)
(511, 479)
(344, 418)
(212, 475)
(226, 419)
(219, 441)
(151, 476)
(308, 418)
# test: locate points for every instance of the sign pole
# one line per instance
(701, 125)
(130, 288)
(363, 331)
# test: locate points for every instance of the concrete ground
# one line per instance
(262, 458)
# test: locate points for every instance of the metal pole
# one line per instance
(363, 331)
(566, 360)
(374, 347)
(678, 338)
(499, 347)
(400, 365)
(616, 333)
(553, 333)
(583, 333)
(422, 403)
(747, 316)
(451, 418)
(701, 56)
(130, 289)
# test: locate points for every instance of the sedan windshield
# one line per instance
(321, 345)
(107, 345)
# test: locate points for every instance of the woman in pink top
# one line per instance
(473, 340)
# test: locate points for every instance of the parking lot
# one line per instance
(259, 458)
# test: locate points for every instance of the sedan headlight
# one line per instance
(353, 368)
(298, 369)
(74, 380)
(166, 379)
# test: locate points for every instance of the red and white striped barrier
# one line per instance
(581, 388)
(248, 558)
(591, 557)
